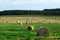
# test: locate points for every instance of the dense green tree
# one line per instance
(31, 12)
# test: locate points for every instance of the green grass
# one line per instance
(15, 31)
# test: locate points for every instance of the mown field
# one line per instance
(15, 27)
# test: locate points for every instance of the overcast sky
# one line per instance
(28, 4)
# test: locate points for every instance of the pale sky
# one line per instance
(28, 4)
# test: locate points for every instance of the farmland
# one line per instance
(15, 27)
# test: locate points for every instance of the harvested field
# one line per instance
(11, 29)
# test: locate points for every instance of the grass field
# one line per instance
(10, 29)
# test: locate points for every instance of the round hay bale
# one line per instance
(43, 31)
(26, 22)
(6, 21)
(30, 28)
(20, 23)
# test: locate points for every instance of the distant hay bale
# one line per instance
(16, 21)
(30, 28)
(6, 21)
(49, 22)
(20, 23)
(43, 31)
(31, 21)
(27, 22)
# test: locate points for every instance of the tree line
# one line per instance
(55, 12)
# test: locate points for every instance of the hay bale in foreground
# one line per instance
(30, 28)
(43, 31)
